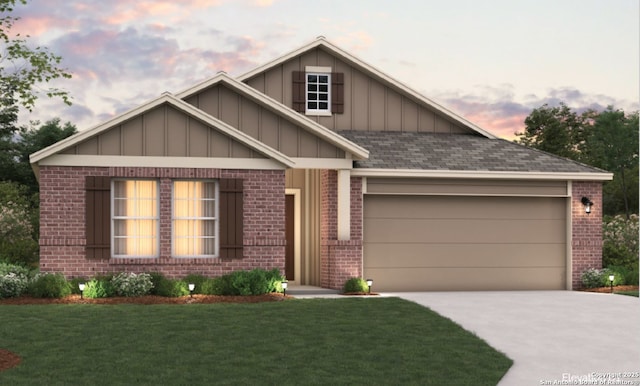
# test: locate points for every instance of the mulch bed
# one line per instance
(615, 288)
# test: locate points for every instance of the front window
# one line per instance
(195, 218)
(135, 218)
(318, 93)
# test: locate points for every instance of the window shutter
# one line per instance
(98, 217)
(299, 91)
(337, 93)
(231, 219)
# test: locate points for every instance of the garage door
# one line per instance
(449, 243)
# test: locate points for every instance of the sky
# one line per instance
(490, 61)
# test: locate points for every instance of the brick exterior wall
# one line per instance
(586, 244)
(339, 259)
(62, 223)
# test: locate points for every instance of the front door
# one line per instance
(289, 255)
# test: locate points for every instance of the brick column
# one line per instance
(586, 243)
(339, 259)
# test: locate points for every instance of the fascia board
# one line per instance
(321, 41)
(404, 173)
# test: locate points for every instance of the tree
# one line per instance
(18, 230)
(612, 144)
(24, 69)
(556, 130)
(32, 139)
(607, 140)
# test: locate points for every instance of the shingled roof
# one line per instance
(427, 151)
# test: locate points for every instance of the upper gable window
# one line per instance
(318, 93)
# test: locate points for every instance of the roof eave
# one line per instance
(481, 174)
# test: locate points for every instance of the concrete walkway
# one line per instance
(550, 335)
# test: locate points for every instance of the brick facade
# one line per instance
(339, 259)
(62, 223)
(586, 243)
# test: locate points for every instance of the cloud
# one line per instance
(498, 110)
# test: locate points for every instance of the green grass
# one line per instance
(304, 341)
(629, 293)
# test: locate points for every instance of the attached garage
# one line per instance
(465, 242)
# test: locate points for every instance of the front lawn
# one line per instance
(302, 341)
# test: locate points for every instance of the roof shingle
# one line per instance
(428, 151)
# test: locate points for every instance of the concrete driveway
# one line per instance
(562, 336)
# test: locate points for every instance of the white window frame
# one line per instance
(115, 218)
(216, 219)
(317, 71)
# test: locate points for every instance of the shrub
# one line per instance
(12, 285)
(7, 268)
(211, 287)
(18, 231)
(620, 241)
(131, 284)
(355, 284)
(591, 278)
(162, 286)
(49, 285)
(99, 287)
(254, 282)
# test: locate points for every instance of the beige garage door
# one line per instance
(443, 243)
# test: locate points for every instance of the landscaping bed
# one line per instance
(618, 288)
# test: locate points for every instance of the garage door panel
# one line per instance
(463, 231)
(417, 255)
(443, 207)
(466, 279)
(464, 243)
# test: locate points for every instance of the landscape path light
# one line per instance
(191, 288)
(81, 286)
(611, 277)
(285, 284)
(369, 284)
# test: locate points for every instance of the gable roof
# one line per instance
(180, 105)
(310, 125)
(456, 154)
(323, 43)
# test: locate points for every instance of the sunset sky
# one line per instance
(491, 61)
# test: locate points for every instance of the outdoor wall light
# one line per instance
(611, 277)
(81, 286)
(285, 284)
(191, 288)
(587, 204)
(369, 284)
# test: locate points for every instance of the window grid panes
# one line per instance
(135, 218)
(195, 219)
(318, 92)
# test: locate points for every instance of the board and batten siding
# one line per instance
(369, 103)
(262, 124)
(163, 131)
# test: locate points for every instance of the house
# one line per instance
(322, 166)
